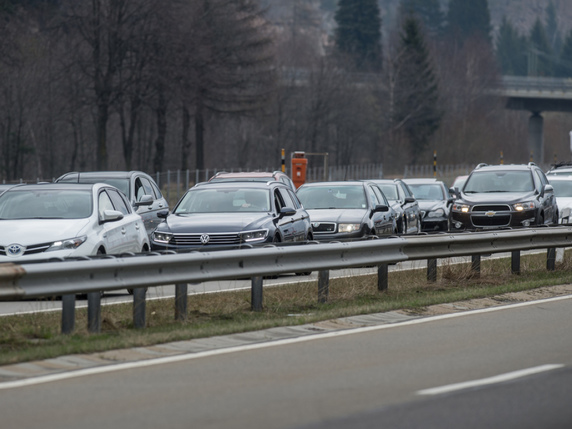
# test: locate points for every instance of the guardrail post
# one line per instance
(551, 258)
(382, 277)
(181, 290)
(68, 313)
(94, 312)
(476, 264)
(323, 286)
(139, 305)
(515, 262)
(431, 270)
(256, 295)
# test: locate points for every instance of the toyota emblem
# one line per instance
(205, 238)
(15, 250)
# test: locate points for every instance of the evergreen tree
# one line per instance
(428, 11)
(416, 90)
(511, 50)
(564, 68)
(468, 18)
(540, 57)
(358, 34)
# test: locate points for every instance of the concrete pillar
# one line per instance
(535, 137)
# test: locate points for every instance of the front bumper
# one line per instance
(434, 224)
(501, 219)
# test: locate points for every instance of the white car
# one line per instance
(63, 220)
(562, 185)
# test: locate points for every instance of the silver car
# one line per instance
(140, 189)
(62, 220)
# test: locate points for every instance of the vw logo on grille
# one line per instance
(205, 238)
(15, 250)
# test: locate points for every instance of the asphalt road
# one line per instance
(518, 358)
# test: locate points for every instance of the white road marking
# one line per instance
(312, 337)
(490, 380)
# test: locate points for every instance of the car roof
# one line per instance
(423, 181)
(384, 181)
(242, 185)
(106, 174)
(246, 174)
(505, 167)
(337, 183)
(55, 186)
(560, 177)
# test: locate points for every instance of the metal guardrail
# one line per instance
(138, 272)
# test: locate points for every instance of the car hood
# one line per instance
(33, 231)
(498, 197)
(212, 222)
(337, 215)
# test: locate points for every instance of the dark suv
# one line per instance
(496, 196)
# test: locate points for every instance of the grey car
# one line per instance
(434, 201)
(403, 202)
(140, 189)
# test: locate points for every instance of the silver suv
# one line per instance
(140, 189)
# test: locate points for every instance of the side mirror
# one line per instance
(548, 189)
(110, 216)
(379, 208)
(454, 192)
(145, 200)
(163, 214)
(409, 200)
(286, 211)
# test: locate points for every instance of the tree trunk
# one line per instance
(185, 140)
(161, 113)
(199, 136)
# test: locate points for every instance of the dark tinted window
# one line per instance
(119, 201)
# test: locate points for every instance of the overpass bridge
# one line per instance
(536, 95)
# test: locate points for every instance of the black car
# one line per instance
(232, 214)
(434, 202)
(347, 210)
(140, 189)
(496, 196)
(403, 202)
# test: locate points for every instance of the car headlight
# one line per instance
(529, 205)
(349, 227)
(257, 235)
(69, 244)
(162, 237)
(461, 208)
(436, 213)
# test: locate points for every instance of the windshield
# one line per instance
(390, 191)
(333, 197)
(45, 204)
(223, 201)
(427, 191)
(499, 181)
(562, 188)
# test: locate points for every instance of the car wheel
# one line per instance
(418, 226)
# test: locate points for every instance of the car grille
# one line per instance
(324, 227)
(30, 250)
(195, 239)
(484, 221)
(492, 208)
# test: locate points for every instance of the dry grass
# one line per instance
(35, 336)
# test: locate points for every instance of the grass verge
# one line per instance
(37, 336)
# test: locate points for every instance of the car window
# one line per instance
(423, 191)
(389, 190)
(405, 189)
(499, 181)
(562, 188)
(380, 196)
(542, 177)
(286, 198)
(139, 189)
(118, 201)
(104, 203)
(148, 188)
(156, 190)
(297, 203)
(45, 204)
(223, 200)
(373, 196)
(279, 202)
(333, 196)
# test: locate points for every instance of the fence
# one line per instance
(138, 272)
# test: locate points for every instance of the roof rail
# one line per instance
(561, 164)
(532, 164)
(482, 164)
